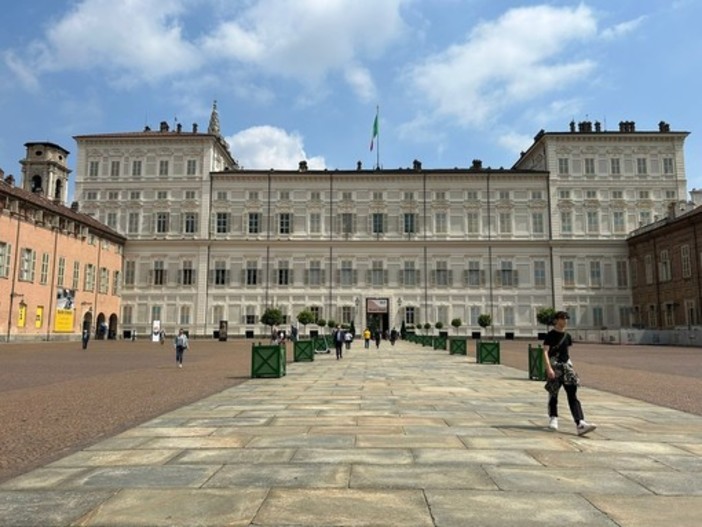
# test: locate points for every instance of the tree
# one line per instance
(484, 320)
(456, 323)
(322, 324)
(439, 325)
(403, 330)
(272, 317)
(545, 316)
(331, 323)
(427, 327)
(305, 317)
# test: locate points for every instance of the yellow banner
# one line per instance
(64, 321)
(22, 318)
(39, 320)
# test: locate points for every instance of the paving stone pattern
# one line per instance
(401, 436)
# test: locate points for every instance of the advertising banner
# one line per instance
(65, 310)
(376, 305)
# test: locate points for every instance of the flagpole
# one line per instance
(377, 152)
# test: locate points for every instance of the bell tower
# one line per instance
(45, 172)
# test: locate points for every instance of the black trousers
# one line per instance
(179, 354)
(575, 408)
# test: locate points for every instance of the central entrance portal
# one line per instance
(377, 314)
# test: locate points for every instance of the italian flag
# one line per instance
(374, 134)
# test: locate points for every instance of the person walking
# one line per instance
(348, 338)
(366, 338)
(378, 336)
(560, 372)
(339, 342)
(181, 345)
(393, 336)
(85, 338)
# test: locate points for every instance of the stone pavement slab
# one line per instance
(402, 436)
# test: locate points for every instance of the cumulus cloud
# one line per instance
(516, 58)
(264, 147)
(623, 29)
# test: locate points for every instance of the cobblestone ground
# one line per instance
(56, 398)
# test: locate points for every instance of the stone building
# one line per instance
(59, 269)
(210, 241)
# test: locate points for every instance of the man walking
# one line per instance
(181, 344)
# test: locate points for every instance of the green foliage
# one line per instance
(484, 320)
(403, 330)
(331, 323)
(439, 325)
(321, 323)
(427, 327)
(545, 315)
(272, 317)
(456, 323)
(305, 317)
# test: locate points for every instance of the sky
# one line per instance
(450, 80)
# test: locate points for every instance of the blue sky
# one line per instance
(455, 80)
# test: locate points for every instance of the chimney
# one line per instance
(179, 128)
(74, 206)
(303, 166)
(164, 126)
(417, 165)
(477, 164)
(194, 128)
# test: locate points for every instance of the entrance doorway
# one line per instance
(377, 314)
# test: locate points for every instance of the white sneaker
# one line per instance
(180, 365)
(553, 423)
(584, 428)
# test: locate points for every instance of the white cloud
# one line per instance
(623, 29)
(264, 147)
(361, 82)
(22, 71)
(514, 142)
(516, 58)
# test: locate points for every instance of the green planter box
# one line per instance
(487, 352)
(537, 368)
(303, 351)
(322, 343)
(458, 346)
(267, 361)
(427, 340)
(439, 343)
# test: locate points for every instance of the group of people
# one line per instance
(377, 336)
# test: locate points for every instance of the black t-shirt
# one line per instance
(556, 347)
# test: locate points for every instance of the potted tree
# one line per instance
(440, 339)
(537, 368)
(457, 345)
(305, 317)
(322, 342)
(487, 351)
(303, 349)
(545, 316)
(269, 360)
(426, 337)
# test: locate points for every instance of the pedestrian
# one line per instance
(348, 337)
(393, 336)
(378, 336)
(339, 342)
(162, 337)
(560, 372)
(366, 338)
(85, 338)
(181, 345)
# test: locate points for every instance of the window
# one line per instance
(187, 273)
(503, 195)
(112, 220)
(190, 223)
(129, 272)
(347, 223)
(536, 195)
(665, 272)
(440, 223)
(315, 223)
(159, 273)
(644, 194)
(44, 274)
(508, 315)
(27, 263)
(537, 222)
(475, 312)
(539, 273)
(136, 167)
(615, 166)
(91, 195)
(254, 222)
(104, 284)
(408, 196)
(316, 313)
(622, 275)
(568, 273)
(684, 261)
(668, 166)
(133, 223)
(127, 314)
(315, 196)
(670, 194)
(563, 165)
(589, 166)
(378, 224)
(283, 273)
(567, 222)
(190, 194)
(409, 222)
(597, 316)
(284, 195)
(595, 274)
(409, 274)
(94, 169)
(156, 312)
(410, 315)
(162, 195)
(641, 168)
(184, 316)
(442, 274)
(506, 276)
(472, 195)
(314, 273)
(377, 196)
(222, 222)
(163, 167)
(593, 221)
(285, 223)
(591, 194)
(221, 195)
(505, 222)
(76, 275)
(251, 273)
(89, 278)
(472, 223)
(475, 275)
(633, 265)
(253, 195)
(347, 275)
(377, 272)
(191, 167)
(114, 169)
(346, 314)
(5, 255)
(116, 280)
(162, 222)
(564, 194)
(617, 194)
(113, 195)
(618, 222)
(135, 195)
(221, 273)
(644, 217)
(61, 275)
(440, 195)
